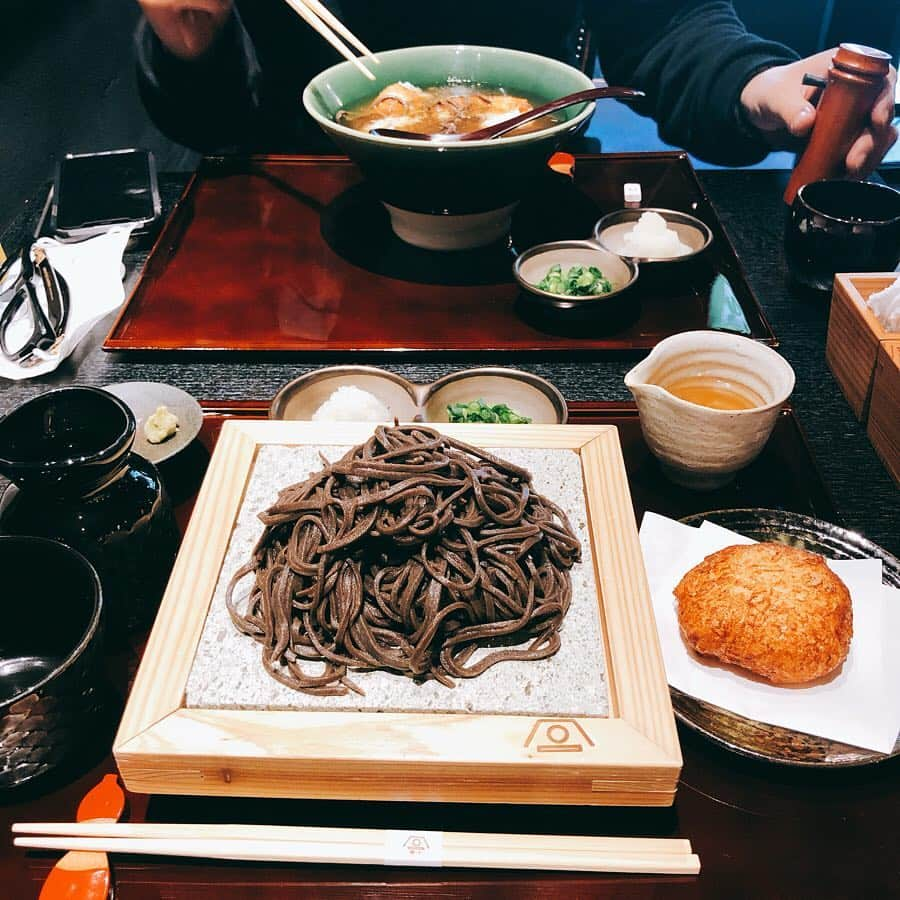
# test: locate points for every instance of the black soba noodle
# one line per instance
(408, 554)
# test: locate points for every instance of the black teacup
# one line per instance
(50, 656)
(842, 226)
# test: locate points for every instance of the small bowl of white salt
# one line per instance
(646, 235)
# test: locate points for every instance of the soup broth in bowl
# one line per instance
(442, 109)
(456, 195)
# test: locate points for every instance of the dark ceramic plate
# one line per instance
(758, 740)
(143, 398)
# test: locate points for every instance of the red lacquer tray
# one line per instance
(295, 254)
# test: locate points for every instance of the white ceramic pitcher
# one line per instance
(701, 447)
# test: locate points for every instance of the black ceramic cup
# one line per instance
(842, 226)
(50, 662)
(66, 442)
(76, 480)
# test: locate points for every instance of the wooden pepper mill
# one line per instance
(855, 79)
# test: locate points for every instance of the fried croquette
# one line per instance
(775, 610)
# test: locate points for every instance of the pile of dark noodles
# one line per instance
(408, 554)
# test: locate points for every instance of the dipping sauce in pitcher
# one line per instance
(716, 393)
(734, 388)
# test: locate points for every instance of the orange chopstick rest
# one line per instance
(563, 163)
(91, 883)
(83, 875)
(105, 801)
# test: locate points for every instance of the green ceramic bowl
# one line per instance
(473, 185)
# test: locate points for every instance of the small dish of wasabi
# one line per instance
(167, 418)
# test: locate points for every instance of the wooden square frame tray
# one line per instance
(631, 757)
(296, 254)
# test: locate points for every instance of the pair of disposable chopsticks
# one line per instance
(367, 846)
(320, 18)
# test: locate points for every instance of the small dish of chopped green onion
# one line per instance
(479, 411)
(573, 277)
(578, 281)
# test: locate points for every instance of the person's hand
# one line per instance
(187, 28)
(777, 103)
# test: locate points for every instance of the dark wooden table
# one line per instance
(760, 830)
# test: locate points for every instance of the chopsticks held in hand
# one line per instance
(369, 846)
(319, 17)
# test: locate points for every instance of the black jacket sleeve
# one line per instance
(209, 103)
(692, 59)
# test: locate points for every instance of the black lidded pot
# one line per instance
(51, 695)
(75, 479)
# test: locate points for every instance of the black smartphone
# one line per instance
(93, 191)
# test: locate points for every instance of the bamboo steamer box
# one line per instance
(884, 409)
(855, 335)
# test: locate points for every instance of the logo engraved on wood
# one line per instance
(558, 736)
(416, 844)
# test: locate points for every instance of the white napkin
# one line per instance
(886, 306)
(859, 705)
(93, 273)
